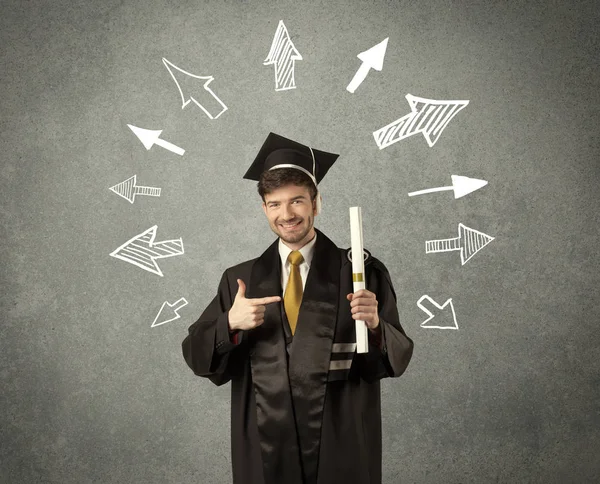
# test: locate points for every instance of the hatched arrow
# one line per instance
(129, 188)
(142, 251)
(444, 314)
(468, 242)
(283, 54)
(427, 116)
(371, 59)
(461, 185)
(203, 97)
(151, 137)
(169, 312)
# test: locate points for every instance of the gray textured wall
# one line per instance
(91, 393)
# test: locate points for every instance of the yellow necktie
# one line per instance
(293, 292)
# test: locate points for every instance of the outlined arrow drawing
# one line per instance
(150, 137)
(203, 98)
(469, 242)
(443, 313)
(169, 312)
(128, 189)
(427, 116)
(371, 59)
(142, 251)
(283, 54)
(461, 185)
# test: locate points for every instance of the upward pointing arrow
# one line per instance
(150, 137)
(283, 54)
(371, 59)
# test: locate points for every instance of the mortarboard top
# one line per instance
(279, 152)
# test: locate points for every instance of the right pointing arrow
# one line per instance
(461, 185)
(469, 242)
(371, 59)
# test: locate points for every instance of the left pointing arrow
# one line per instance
(142, 251)
(150, 137)
(128, 189)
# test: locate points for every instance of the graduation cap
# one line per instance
(279, 152)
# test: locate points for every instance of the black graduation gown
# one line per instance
(304, 409)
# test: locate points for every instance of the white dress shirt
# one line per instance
(307, 254)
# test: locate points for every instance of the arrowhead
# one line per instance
(464, 185)
(147, 136)
(444, 315)
(126, 189)
(373, 57)
(183, 76)
(471, 242)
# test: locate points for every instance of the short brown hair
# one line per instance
(273, 179)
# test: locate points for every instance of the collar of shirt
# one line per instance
(307, 253)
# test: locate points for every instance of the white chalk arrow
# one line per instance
(142, 251)
(129, 188)
(461, 185)
(150, 137)
(205, 99)
(445, 312)
(468, 242)
(371, 59)
(427, 116)
(169, 312)
(283, 54)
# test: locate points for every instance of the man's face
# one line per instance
(291, 212)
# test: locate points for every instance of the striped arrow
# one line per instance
(142, 251)
(427, 116)
(169, 312)
(469, 242)
(128, 189)
(284, 55)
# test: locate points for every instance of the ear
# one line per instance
(264, 207)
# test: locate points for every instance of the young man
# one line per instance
(305, 407)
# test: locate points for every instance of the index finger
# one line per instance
(264, 300)
(364, 293)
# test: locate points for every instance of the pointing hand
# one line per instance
(248, 313)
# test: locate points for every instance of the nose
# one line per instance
(288, 213)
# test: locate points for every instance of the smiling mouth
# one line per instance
(290, 226)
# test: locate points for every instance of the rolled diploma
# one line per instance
(358, 271)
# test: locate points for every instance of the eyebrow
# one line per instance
(291, 199)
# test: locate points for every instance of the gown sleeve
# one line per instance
(390, 354)
(208, 346)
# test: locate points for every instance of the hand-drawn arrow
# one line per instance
(371, 59)
(128, 189)
(469, 242)
(150, 137)
(445, 310)
(461, 185)
(142, 251)
(207, 97)
(169, 312)
(428, 116)
(284, 55)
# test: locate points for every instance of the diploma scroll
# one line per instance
(358, 273)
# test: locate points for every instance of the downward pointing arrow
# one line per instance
(169, 312)
(445, 312)
(371, 59)
(461, 185)
(150, 137)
